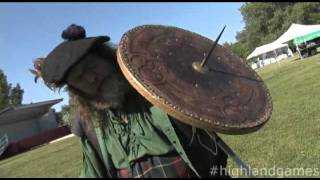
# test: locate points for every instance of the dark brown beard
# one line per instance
(112, 92)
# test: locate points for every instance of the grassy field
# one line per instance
(58, 160)
(289, 140)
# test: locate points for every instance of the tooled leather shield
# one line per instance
(230, 98)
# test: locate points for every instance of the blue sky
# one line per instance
(31, 30)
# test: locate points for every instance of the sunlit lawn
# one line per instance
(57, 160)
(291, 138)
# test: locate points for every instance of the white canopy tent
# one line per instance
(269, 53)
(265, 48)
(296, 30)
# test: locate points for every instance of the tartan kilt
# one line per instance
(165, 166)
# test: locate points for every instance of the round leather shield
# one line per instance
(230, 98)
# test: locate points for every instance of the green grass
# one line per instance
(289, 140)
(291, 137)
(58, 160)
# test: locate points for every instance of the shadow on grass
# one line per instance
(296, 59)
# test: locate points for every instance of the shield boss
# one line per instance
(230, 98)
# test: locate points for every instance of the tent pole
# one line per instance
(276, 56)
(298, 51)
(275, 53)
(305, 43)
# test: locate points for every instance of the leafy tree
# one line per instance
(237, 48)
(8, 95)
(16, 95)
(67, 113)
(64, 115)
(265, 22)
(4, 90)
(305, 13)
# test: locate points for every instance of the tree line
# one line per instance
(9, 96)
(265, 22)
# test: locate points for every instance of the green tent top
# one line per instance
(307, 37)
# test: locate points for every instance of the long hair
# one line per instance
(82, 108)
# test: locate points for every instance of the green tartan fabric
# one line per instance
(166, 166)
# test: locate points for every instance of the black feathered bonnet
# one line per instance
(69, 52)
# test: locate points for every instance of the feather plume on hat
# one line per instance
(37, 64)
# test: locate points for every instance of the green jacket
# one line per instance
(94, 166)
(198, 150)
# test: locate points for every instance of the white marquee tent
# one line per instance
(266, 48)
(296, 30)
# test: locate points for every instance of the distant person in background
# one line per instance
(122, 134)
